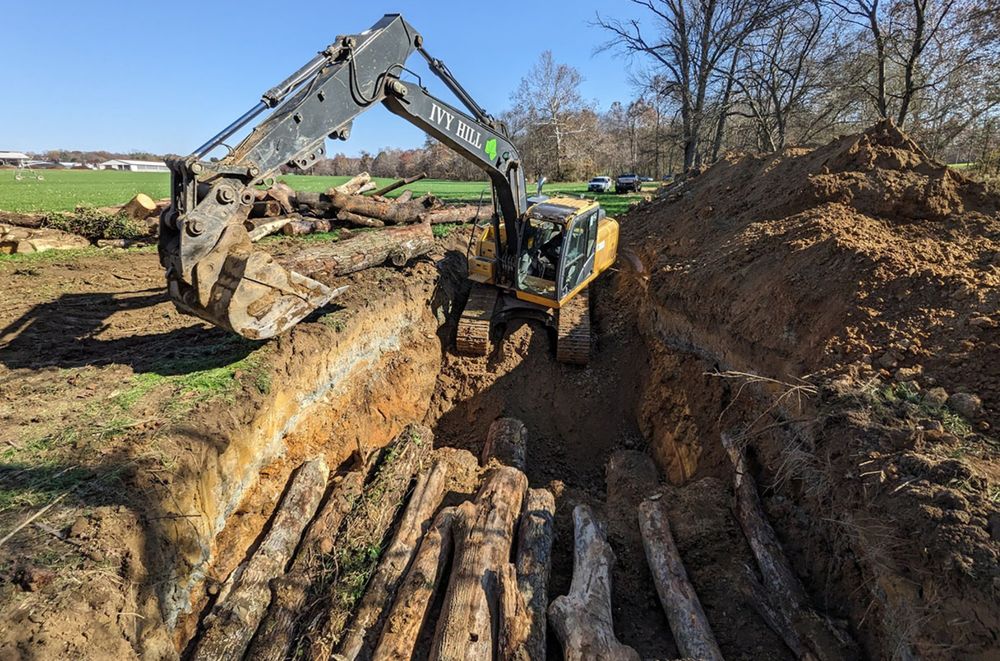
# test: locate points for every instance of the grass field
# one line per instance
(63, 190)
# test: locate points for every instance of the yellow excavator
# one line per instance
(534, 257)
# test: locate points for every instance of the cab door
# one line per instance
(577, 261)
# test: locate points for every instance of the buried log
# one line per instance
(324, 261)
(507, 442)
(276, 633)
(484, 531)
(234, 619)
(365, 529)
(533, 560)
(515, 622)
(687, 620)
(363, 633)
(399, 183)
(785, 592)
(582, 619)
(408, 614)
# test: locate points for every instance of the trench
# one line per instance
(392, 362)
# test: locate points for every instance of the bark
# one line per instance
(297, 227)
(405, 196)
(514, 617)
(785, 591)
(266, 209)
(484, 531)
(365, 528)
(277, 631)
(358, 221)
(534, 563)
(381, 591)
(394, 213)
(507, 442)
(233, 620)
(140, 207)
(409, 613)
(324, 261)
(458, 214)
(582, 619)
(399, 183)
(688, 623)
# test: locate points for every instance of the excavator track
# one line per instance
(473, 336)
(573, 341)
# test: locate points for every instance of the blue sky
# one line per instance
(164, 77)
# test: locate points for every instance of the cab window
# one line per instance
(579, 248)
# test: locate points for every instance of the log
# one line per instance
(276, 633)
(484, 531)
(233, 620)
(507, 442)
(381, 591)
(405, 196)
(353, 185)
(297, 227)
(399, 183)
(688, 623)
(358, 221)
(394, 213)
(261, 230)
(325, 261)
(582, 619)
(514, 617)
(139, 207)
(364, 529)
(283, 195)
(458, 214)
(785, 591)
(409, 613)
(370, 186)
(534, 562)
(266, 209)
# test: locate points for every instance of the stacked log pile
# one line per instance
(353, 204)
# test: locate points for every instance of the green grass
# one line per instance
(64, 190)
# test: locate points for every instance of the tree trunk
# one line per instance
(297, 227)
(381, 591)
(399, 183)
(534, 562)
(266, 209)
(786, 593)
(277, 631)
(582, 619)
(484, 533)
(390, 212)
(409, 613)
(514, 618)
(365, 528)
(458, 214)
(687, 620)
(507, 442)
(353, 185)
(232, 623)
(327, 260)
(261, 230)
(140, 207)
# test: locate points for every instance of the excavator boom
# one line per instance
(214, 272)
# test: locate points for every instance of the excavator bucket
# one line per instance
(249, 293)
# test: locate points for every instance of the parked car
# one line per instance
(645, 179)
(628, 183)
(599, 185)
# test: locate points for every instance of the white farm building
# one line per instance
(15, 158)
(133, 166)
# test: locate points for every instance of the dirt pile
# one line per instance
(847, 299)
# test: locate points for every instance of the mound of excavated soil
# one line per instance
(870, 272)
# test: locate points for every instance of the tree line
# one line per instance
(751, 75)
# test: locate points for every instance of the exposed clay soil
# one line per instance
(774, 298)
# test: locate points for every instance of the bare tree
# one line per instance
(688, 41)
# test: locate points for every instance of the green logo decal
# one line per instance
(491, 148)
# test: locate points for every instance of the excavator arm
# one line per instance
(212, 269)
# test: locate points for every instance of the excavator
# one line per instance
(526, 260)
